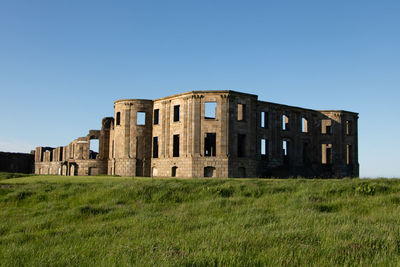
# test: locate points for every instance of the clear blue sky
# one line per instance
(63, 63)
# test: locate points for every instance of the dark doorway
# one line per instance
(209, 171)
(173, 171)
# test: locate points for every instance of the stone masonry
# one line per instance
(212, 134)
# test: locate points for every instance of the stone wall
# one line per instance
(76, 158)
(17, 162)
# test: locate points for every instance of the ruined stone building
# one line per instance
(211, 134)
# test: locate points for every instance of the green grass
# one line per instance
(9, 175)
(114, 221)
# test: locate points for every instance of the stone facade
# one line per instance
(17, 162)
(212, 134)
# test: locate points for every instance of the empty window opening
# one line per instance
(349, 128)
(174, 171)
(209, 171)
(94, 148)
(141, 118)
(210, 110)
(61, 154)
(304, 125)
(349, 151)
(241, 112)
(176, 112)
(175, 152)
(326, 154)
(284, 147)
(264, 119)
(263, 146)
(285, 151)
(326, 127)
(285, 122)
(210, 145)
(155, 147)
(264, 149)
(241, 145)
(156, 116)
(118, 121)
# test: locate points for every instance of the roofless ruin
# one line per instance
(211, 134)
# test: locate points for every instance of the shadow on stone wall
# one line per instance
(17, 162)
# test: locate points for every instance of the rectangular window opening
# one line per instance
(304, 125)
(349, 128)
(141, 118)
(156, 116)
(264, 149)
(285, 151)
(175, 152)
(61, 154)
(210, 145)
(118, 120)
(241, 145)
(176, 112)
(263, 119)
(326, 154)
(285, 122)
(285, 148)
(241, 112)
(326, 127)
(349, 151)
(94, 148)
(210, 110)
(155, 147)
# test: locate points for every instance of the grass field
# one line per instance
(114, 221)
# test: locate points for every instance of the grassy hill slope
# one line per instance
(103, 221)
